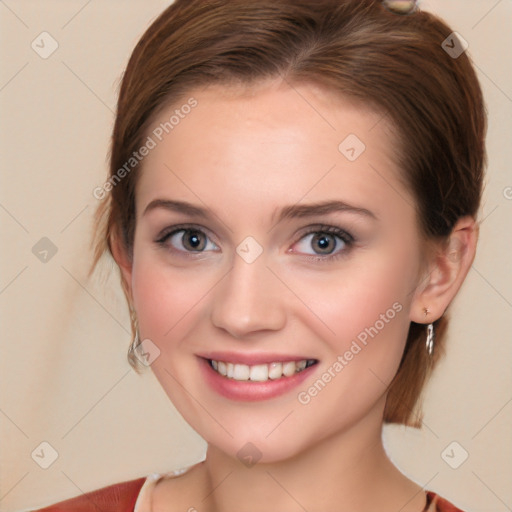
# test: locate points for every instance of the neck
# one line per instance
(348, 471)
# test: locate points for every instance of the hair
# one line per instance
(365, 50)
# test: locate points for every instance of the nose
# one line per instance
(249, 300)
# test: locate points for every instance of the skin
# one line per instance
(243, 154)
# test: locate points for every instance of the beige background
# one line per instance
(64, 375)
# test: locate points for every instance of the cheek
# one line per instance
(164, 297)
(367, 317)
(369, 294)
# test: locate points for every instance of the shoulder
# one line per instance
(120, 497)
(437, 504)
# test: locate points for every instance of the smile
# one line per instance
(260, 372)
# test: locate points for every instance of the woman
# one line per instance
(292, 204)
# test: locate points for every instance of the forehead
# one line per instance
(261, 146)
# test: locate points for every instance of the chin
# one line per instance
(257, 449)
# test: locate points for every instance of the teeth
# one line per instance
(275, 370)
(241, 372)
(260, 372)
(289, 368)
(221, 368)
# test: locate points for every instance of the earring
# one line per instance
(429, 343)
(430, 339)
(136, 340)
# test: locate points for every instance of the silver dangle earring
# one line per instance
(134, 344)
(429, 343)
(430, 339)
(136, 340)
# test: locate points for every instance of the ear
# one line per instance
(447, 268)
(125, 263)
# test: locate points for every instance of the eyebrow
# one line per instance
(176, 206)
(288, 212)
(321, 208)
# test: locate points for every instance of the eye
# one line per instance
(326, 242)
(188, 240)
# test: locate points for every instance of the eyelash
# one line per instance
(343, 235)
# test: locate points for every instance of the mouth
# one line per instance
(254, 377)
(260, 372)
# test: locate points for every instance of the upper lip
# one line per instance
(252, 359)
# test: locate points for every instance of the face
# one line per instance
(275, 256)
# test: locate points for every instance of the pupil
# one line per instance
(324, 242)
(192, 240)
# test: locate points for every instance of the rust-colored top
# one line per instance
(123, 497)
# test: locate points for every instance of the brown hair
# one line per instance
(358, 48)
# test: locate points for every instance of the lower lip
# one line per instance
(251, 391)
